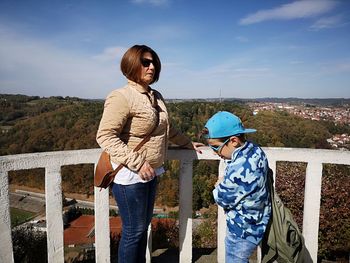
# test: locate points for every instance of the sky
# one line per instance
(208, 49)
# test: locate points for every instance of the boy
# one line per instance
(243, 191)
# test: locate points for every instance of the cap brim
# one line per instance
(249, 130)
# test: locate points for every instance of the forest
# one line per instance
(34, 124)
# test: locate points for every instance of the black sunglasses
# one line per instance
(146, 62)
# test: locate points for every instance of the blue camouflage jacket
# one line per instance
(244, 194)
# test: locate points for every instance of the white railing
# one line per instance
(53, 161)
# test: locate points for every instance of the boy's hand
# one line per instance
(220, 179)
(196, 146)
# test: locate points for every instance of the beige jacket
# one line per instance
(127, 118)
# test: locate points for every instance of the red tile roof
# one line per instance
(81, 230)
(78, 231)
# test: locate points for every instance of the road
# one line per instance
(33, 202)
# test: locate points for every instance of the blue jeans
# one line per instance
(135, 203)
(238, 250)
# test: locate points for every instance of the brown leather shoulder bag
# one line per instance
(104, 173)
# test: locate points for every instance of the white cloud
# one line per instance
(344, 67)
(327, 22)
(335, 67)
(166, 32)
(35, 67)
(296, 62)
(152, 2)
(110, 54)
(242, 39)
(295, 10)
(229, 71)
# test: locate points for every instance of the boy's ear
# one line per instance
(235, 141)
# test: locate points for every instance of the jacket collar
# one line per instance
(241, 151)
(139, 87)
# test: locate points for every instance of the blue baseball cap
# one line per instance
(224, 124)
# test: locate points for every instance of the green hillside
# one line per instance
(33, 124)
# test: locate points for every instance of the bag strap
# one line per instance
(270, 184)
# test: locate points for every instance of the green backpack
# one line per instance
(283, 241)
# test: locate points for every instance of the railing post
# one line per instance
(221, 222)
(185, 214)
(102, 239)
(312, 201)
(54, 220)
(149, 244)
(6, 249)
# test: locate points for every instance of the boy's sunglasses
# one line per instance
(146, 62)
(218, 148)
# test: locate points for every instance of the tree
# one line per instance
(204, 178)
(334, 233)
(204, 236)
(29, 245)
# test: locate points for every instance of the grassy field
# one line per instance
(19, 216)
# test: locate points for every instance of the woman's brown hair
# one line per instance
(130, 64)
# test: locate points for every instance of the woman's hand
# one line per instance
(146, 172)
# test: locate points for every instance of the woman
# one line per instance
(130, 114)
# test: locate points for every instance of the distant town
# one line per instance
(336, 114)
